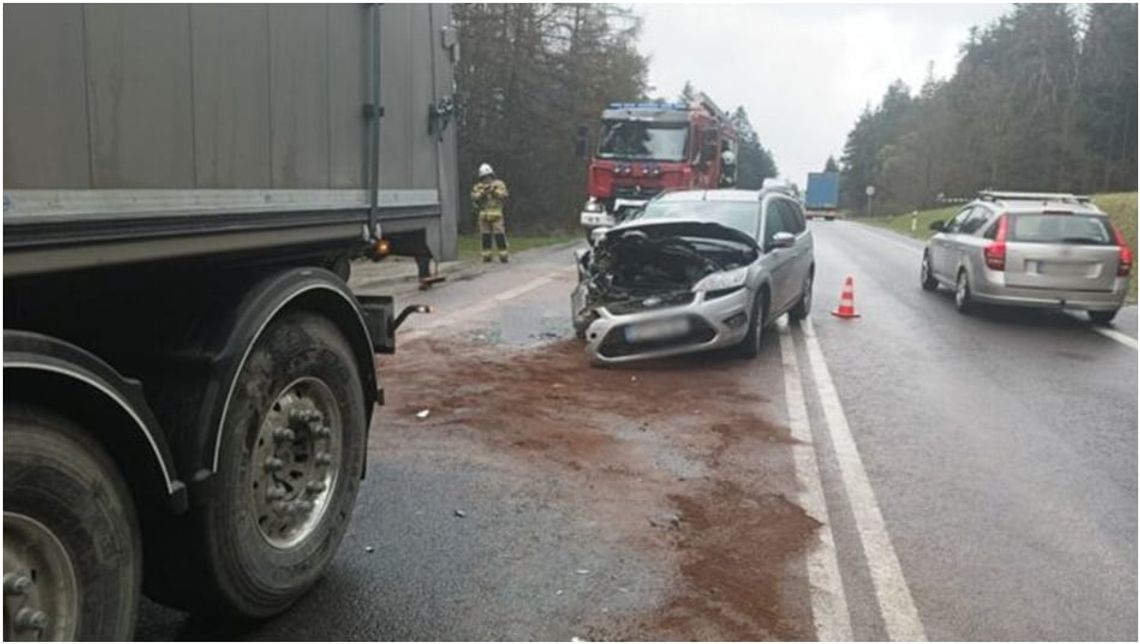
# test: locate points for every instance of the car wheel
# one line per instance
(750, 346)
(963, 297)
(803, 308)
(72, 548)
(1102, 317)
(927, 275)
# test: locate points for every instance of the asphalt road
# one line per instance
(911, 473)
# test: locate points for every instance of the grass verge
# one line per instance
(471, 245)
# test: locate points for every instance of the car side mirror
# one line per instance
(782, 239)
(938, 226)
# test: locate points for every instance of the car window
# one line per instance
(1063, 229)
(793, 218)
(955, 224)
(741, 215)
(773, 220)
(974, 222)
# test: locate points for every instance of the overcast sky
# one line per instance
(803, 72)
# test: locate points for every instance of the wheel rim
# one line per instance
(960, 292)
(925, 269)
(41, 595)
(296, 462)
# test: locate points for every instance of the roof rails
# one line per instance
(781, 185)
(1064, 197)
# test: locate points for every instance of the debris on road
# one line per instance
(671, 521)
(558, 592)
(423, 414)
(369, 549)
(629, 453)
(460, 513)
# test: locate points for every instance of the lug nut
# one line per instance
(278, 507)
(30, 619)
(272, 464)
(323, 458)
(316, 486)
(284, 434)
(322, 431)
(16, 584)
(275, 493)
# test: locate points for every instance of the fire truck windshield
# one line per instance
(636, 140)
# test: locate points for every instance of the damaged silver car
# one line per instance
(696, 270)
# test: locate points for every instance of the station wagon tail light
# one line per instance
(1124, 266)
(995, 250)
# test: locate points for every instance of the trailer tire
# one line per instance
(70, 533)
(257, 567)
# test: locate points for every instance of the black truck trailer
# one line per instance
(188, 380)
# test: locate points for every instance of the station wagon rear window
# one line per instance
(1060, 229)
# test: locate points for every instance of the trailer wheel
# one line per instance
(72, 550)
(292, 454)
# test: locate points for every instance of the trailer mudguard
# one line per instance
(314, 289)
(65, 378)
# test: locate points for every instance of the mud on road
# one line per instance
(678, 459)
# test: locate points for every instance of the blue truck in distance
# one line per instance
(821, 199)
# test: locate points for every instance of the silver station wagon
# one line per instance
(1043, 250)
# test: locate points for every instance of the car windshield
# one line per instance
(1061, 229)
(741, 215)
(634, 140)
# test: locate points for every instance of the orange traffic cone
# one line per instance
(846, 308)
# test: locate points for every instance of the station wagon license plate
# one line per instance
(656, 330)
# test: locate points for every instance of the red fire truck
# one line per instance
(647, 148)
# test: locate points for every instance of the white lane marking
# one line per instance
(895, 602)
(1113, 334)
(480, 308)
(830, 616)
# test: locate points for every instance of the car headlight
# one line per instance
(722, 281)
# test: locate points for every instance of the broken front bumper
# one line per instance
(713, 323)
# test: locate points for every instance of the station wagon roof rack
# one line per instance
(1064, 197)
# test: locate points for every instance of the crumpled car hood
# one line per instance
(682, 228)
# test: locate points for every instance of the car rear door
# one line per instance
(969, 242)
(943, 254)
(780, 262)
(794, 221)
(1060, 251)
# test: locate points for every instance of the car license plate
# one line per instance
(656, 330)
(1065, 269)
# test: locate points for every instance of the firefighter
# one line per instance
(488, 196)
